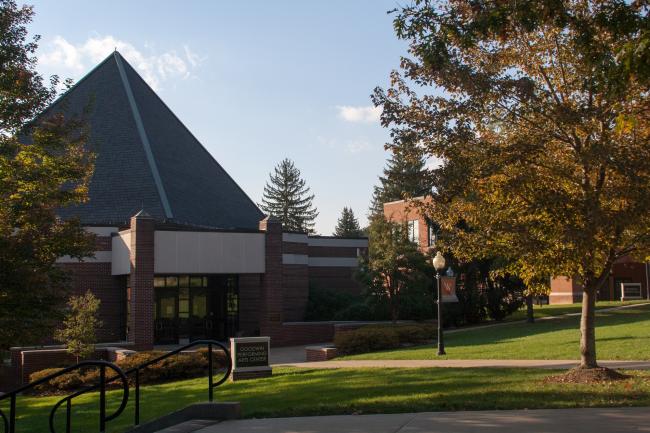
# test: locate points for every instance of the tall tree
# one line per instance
(51, 172)
(405, 176)
(542, 125)
(348, 225)
(394, 262)
(287, 197)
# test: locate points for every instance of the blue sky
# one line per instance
(255, 81)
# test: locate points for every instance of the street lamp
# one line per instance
(439, 265)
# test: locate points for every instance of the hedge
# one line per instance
(382, 337)
(185, 365)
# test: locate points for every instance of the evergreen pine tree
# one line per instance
(287, 198)
(404, 175)
(348, 225)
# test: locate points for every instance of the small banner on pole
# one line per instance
(448, 287)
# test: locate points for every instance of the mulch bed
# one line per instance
(587, 375)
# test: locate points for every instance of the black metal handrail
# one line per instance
(10, 426)
(137, 369)
(211, 383)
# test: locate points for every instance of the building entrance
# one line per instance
(189, 307)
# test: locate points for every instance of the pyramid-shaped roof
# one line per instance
(147, 159)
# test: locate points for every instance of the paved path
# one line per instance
(466, 363)
(616, 420)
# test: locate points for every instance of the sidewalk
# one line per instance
(619, 420)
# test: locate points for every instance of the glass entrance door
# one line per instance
(200, 320)
(192, 308)
(166, 316)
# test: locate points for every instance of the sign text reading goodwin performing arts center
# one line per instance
(250, 357)
(252, 354)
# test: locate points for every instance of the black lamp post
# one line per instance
(439, 265)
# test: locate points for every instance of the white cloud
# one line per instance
(65, 58)
(363, 114)
(349, 146)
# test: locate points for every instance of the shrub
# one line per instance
(66, 382)
(184, 365)
(382, 337)
(366, 339)
(414, 334)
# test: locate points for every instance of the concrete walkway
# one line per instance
(616, 420)
(560, 364)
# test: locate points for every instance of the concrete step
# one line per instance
(189, 426)
(190, 418)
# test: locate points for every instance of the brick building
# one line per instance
(182, 253)
(629, 279)
(421, 229)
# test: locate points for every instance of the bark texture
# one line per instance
(588, 328)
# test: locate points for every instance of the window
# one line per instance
(432, 234)
(184, 302)
(630, 291)
(413, 231)
(199, 306)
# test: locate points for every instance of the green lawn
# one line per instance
(621, 335)
(560, 309)
(301, 392)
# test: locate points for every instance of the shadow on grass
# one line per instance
(296, 392)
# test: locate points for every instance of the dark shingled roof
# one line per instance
(147, 159)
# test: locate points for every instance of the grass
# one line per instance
(542, 311)
(620, 335)
(302, 392)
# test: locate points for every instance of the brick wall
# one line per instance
(141, 302)
(294, 334)
(271, 299)
(333, 251)
(30, 361)
(295, 283)
(332, 275)
(294, 248)
(109, 289)
(402, 211)
(630, 271)
(337, 278)
(566, 290)
(250, 288)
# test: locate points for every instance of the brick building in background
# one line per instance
(421, 229)
(182, 253)
(629, 279)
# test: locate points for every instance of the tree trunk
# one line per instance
(587, 327)
(530, 313)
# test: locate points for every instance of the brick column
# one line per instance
(271, 299)
(141, 303)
